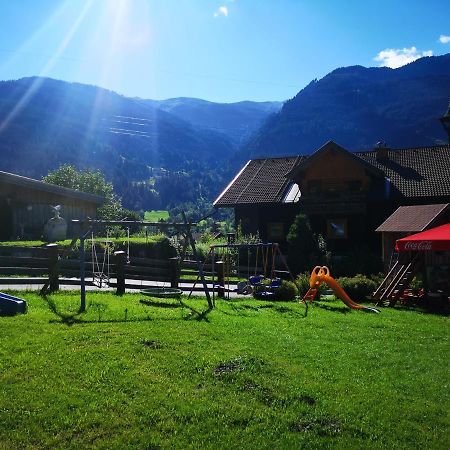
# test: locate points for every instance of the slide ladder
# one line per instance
(310, 295)
(397, 280)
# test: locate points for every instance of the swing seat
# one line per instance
(99, 279)
(275, 283)
(162, 292)
(256, 280)
(219, 286)
(244, 288)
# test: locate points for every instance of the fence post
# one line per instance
(119, 257)
(53, 267)
(174, 271)
(220, 279)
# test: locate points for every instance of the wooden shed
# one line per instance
(26, 205)
(408, 220)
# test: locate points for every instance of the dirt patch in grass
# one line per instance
(236, 365)
(322, 426)
(307, 399)
(154, 345)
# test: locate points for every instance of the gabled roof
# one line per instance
(413, 173)
(412, 219)
(18, 180)
(330, 146)
(259, 181)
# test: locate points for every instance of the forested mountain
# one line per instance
(152, 156)
(357, 107)
(162, 153)
(237, 121)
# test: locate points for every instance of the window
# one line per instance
(293, 195)
(337, 228)
(275, 230)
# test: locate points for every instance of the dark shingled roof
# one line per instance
(260, 181)
(416, 172)
(413, 172)
(412, 219)
(18, 180)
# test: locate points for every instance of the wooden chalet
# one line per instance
(25, 205)
(346, 195)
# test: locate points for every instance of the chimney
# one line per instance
(445, 120)
(381, 151)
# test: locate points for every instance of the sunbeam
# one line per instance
(28, 95)
(28, 43)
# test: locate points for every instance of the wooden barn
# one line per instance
(26, 206)
(408, 220)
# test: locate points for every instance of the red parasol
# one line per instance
(435, 239)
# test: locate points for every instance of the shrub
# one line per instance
(286, 292)
(302, 282)
(416, 283)
(157, 246)
(359, 287)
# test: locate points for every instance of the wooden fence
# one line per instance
(33, 265)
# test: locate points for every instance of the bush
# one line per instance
(359, 287)
(157, 246)
(302, 282)
(286, 292)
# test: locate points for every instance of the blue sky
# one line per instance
(224, 50)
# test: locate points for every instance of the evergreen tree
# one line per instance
(306, 249)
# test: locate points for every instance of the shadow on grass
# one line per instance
(199, 316)
(435, 311)
(335, 309)
(158, 304)
(241, 309)
(193, 313)
(72, 318)
(68, 319)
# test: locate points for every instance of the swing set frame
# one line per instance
(264, 247)
(88, 226)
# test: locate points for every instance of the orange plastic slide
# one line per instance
(322, 274)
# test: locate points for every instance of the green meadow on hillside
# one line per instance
(248, 374)
(156, 215)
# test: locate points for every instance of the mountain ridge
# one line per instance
(163, 152)
(357, 107)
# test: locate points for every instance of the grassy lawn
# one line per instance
(156, 215)
(249, 374)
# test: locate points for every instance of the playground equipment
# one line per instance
(162, 292)
(262, 282)
(101, 271)
(10, 305)
(321, 274)
(88, 226)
